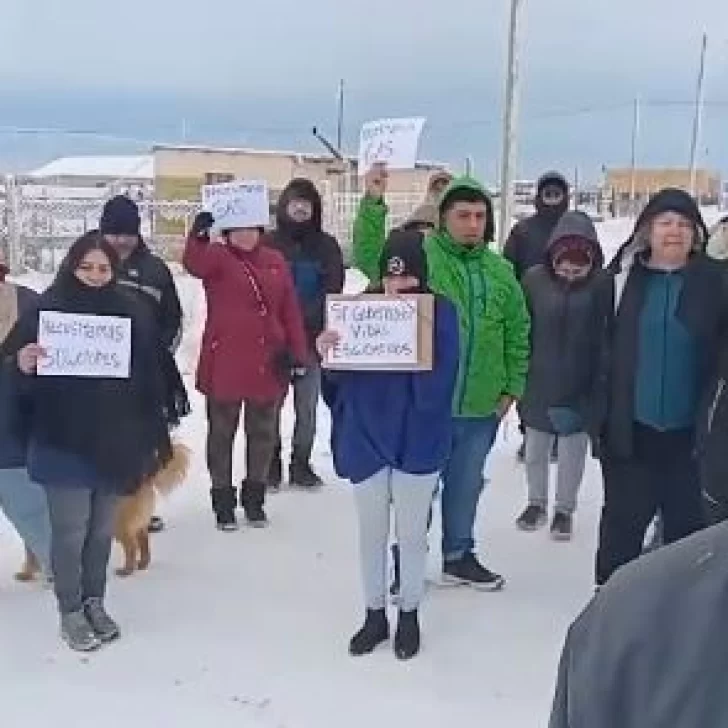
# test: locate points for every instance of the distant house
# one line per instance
(619, 183)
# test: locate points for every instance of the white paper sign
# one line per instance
(393, 142)
(374, 332)
(79, 345)
(241, 204)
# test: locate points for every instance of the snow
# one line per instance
(251, 629)
(117, 167)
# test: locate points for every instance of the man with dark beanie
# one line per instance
(527, 244)
(317, 267)
(145, 274)
(494, 347)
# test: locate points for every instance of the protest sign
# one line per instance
(79, 345)
(240, 204)
(393, 142)
(386, 333)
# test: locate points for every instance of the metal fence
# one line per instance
(37, 232)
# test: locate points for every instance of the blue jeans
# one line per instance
(463, 481)
(26, 507)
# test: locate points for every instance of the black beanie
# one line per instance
(120, 217)
(404, 255)
(672, 199)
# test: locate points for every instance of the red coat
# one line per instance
(246, 331)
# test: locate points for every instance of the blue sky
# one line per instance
(132, 72)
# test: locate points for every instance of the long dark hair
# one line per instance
(92, 240)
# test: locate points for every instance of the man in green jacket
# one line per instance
(494, 335)
(370, 224)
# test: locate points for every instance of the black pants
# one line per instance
(662, 474)
(260, 425)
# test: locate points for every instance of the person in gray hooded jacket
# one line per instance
(568, 318)
(651, 650)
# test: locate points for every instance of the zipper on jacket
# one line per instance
(714, 404)
(469, 344)
(663, 366)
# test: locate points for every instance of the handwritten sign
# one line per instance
(237, 204)
(79, 345)
(393, 142)
(381, 332)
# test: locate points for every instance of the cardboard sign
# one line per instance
(386, 333)
(237, 204)
(79, 345)
(393, 142)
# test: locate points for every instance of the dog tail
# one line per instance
(174, 473)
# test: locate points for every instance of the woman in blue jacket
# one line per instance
(391, 435)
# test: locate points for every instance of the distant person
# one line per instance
(148, 277)
(22, 501)
(494, 348)
(370, 224)
(390, 438)
(92, 439)
(651, 649)
(568, 329)
(527, 242)
(317, 267)
(253, 340)
(669, 328)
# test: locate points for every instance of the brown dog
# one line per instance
(134, 512)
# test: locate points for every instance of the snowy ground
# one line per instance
(251, 629)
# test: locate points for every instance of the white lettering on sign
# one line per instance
(393, 142)
(375, 333)
(79, 345)
(237, 204)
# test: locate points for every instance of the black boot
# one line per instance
(252, 499)
(371, 635)
(223, 506)
(301, 474)
(407, 638)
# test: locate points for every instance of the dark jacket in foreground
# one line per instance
(13, 405)
(148, 276)
(651, 650)
(315, 258)
(400, 420)
(568, 323)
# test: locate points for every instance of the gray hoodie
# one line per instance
(651, 650)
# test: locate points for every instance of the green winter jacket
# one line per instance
(370, 232)
(493, 317)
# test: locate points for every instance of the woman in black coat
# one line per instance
(670, 321)
(92, 438)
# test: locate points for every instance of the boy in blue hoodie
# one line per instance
(391, 435)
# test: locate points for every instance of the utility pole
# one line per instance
(698, 119)
(636, 117)
(340, 117)
(510, 118)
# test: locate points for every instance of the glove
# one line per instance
(201, 226)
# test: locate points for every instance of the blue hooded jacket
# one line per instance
(399, 420)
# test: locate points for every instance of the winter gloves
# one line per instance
(201, 226)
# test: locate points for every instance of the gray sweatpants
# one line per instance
(571, 462)
(82, 527)
(411, 497)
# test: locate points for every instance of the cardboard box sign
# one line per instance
(381, 333)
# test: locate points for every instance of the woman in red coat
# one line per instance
(253, 341)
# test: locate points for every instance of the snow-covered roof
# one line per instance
(126, 167)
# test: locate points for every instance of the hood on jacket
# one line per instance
(670, 199)
(426, 215)
(305, 189)
(463, 188)
(551, 178)
(576, 225)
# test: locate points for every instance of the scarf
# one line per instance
(8, 308)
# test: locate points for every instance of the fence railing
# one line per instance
(36, 232)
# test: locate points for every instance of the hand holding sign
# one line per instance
(375, 181)
(29, 356)
(393, 142)
(235, 205)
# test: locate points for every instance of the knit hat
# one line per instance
(404, 255)
(120, 217)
